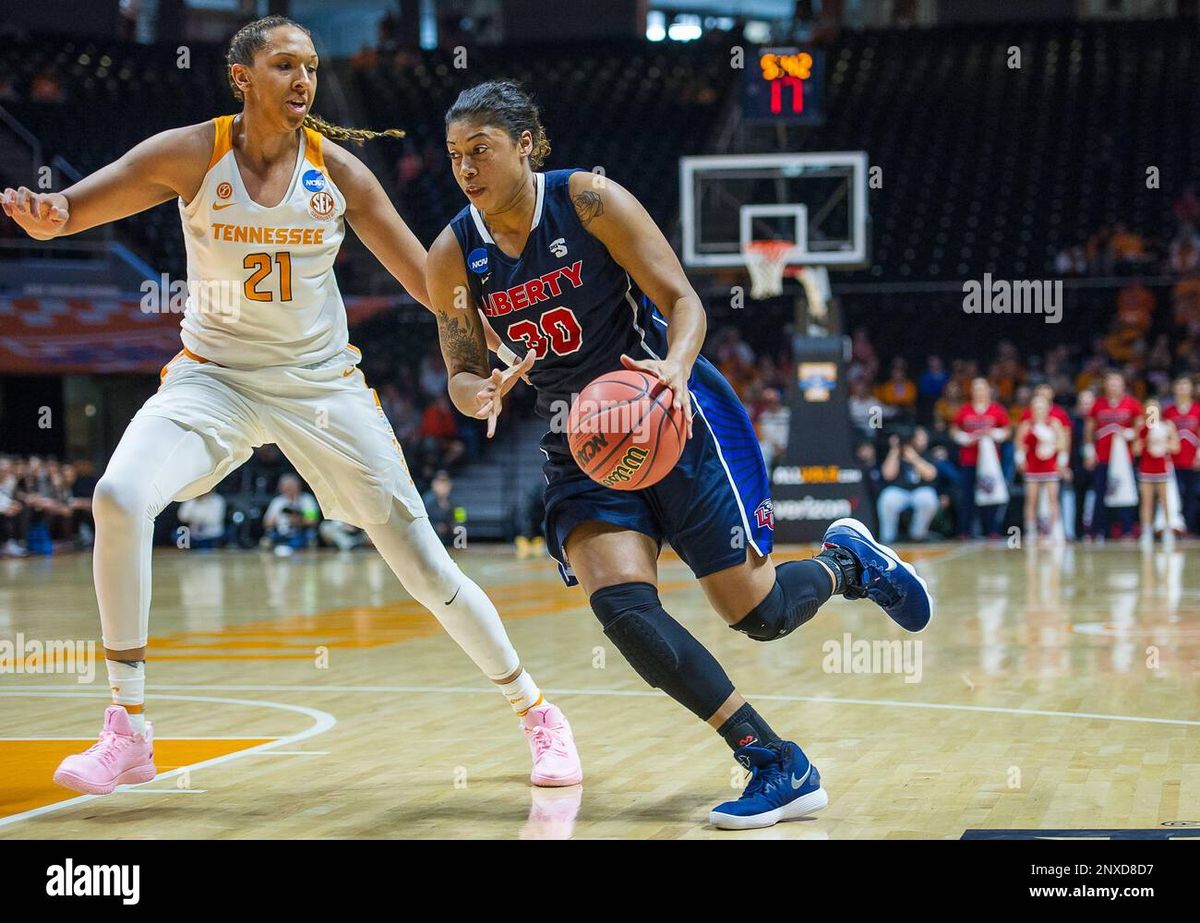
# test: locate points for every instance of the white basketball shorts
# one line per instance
(323, 417)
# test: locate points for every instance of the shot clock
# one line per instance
(785, 86)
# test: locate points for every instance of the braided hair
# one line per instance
(251, 39)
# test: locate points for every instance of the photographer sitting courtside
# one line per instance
(291, 518)
(907, 477)
(444, 516)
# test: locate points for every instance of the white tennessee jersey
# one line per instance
(261, 289)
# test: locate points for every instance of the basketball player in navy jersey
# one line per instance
(572, 272)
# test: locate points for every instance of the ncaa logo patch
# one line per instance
(321, 206)
(477, 260)
(313, 180)
(765, 515)
(224, 191)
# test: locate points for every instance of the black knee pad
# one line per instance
(661, 650)
(627, 612)
(794, 599)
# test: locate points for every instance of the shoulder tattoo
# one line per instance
(588, 205)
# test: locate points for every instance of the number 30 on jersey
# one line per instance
(557, 331)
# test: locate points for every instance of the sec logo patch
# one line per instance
(224, 191)
(321, 206)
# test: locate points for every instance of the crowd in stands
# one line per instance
(761, 381)
(1116, 249)
(1052, 420)
(919, 429)
(1051, 424)
(41, 501)
(1109, 442)
(46, 506)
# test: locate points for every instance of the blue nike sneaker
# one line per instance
(882, 577)
(783, 785)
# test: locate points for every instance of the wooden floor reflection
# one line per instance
(310, 697)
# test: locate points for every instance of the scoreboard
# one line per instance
(784, 86)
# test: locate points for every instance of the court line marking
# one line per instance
(156, 737)
(293, 753)
(648, 693)
(322, 722)
(951, 554)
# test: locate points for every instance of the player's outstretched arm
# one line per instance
(474, 389)
(376, 222)
(612, 215)
(169, 164)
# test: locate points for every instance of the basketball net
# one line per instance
(815, 281)
(766, 260)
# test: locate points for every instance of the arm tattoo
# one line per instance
(463, 343)
(588, 205)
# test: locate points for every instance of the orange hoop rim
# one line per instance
(769, 249)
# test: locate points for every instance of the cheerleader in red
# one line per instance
(1041, 450)
(1185, 414)
(1156, 441)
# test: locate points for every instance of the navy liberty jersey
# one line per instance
(565, 297)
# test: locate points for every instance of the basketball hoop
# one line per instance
(766, 260)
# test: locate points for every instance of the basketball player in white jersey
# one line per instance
(263, 198)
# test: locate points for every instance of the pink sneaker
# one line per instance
(555, 759)
(119, 757)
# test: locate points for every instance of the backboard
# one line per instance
(817, 200)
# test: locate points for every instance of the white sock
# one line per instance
(522, 693)
(128, 683)
(138, 724)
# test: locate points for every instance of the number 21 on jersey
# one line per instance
(260, 266)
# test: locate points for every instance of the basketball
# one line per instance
(626, 430)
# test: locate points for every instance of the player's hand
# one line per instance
(495, 344)
(673, 375)
(491, 395)
(40, 215)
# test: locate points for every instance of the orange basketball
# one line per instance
(625, 430)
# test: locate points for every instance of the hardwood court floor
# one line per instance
(310, 697)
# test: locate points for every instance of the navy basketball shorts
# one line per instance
(715, 503)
